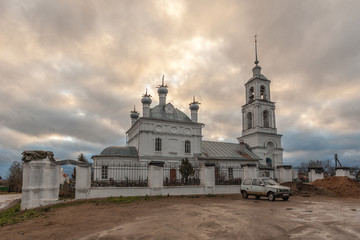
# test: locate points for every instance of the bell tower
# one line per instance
(258, 119)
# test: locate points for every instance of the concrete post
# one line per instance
(343, 171)
(83, 181)
(316, 173)
(207, 177)
(40, 179)
(285, 173)
(155, 177)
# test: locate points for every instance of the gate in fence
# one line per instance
(173, 177)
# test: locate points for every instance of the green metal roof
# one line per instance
(225, 150)
(127, 151)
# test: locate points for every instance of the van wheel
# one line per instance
(285, 198)
(257, 197)
(244, 195)
(271, 196)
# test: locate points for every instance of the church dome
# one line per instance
(127, 151)
(256, 71)
(194, 106)
(169, 113)
(134, 115)
(146, 100)
(162, 90)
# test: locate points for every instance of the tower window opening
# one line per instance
(266, 119)
(251, 94)
(249, 120)
(262, 92)
(187, 146)
(158, 144)
(268, 162)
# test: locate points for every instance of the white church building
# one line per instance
(164, 133)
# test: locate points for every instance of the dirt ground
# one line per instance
(220, 217)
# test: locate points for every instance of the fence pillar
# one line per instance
(40, 179)
(156, 177)
(343, 171)
(83, 181)
(207, 177)
(285, 173)
(315, 173)
(249, 170)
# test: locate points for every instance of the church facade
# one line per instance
(164, 133)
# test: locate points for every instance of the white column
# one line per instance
(156, 177)
(40, 183)
(314, 175)
(83, 181)
(345, 172)
(207, 177)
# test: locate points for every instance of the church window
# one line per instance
(262, 92)
(268, 162)
(158, 144)
(187, 146)
(104, 172)
(231, 173)
(251, 94)
(266, 119)
(249, 120)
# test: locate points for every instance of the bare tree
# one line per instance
(15, 177)
(329, 169)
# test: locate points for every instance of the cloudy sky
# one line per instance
(71, 71)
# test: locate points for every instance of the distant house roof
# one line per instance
(174, 114)
(127, 151)
(226, 151)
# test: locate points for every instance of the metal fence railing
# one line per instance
(173, 176)
(228, 175)
(119, 175)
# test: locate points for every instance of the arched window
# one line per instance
(158, 144)
(262, 92)
(187, 146)
(266, 119)
(251, 94)
(249, 120)
(268, 162)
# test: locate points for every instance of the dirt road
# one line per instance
(6, 199)
(220, 217)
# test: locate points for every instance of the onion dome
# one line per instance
(146, 98)
(162, 89)
(194, 105)
(134, 114)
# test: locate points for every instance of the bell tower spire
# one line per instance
(257, 69)
(256, 57)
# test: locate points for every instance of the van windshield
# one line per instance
(269, 182)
